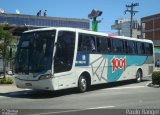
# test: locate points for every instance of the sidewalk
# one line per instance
(7, 88)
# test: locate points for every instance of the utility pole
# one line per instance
(130, 9)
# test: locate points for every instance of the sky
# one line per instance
(112, 9)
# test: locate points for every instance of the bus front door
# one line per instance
(63, 60)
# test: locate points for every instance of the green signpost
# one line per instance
(93, 15)
(95, 25)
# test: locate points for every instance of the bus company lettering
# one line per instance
(118, 63)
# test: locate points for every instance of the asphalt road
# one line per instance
(121, 98)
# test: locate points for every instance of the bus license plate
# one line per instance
(28, 84)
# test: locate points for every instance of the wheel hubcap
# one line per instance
(83, 84)
(138, 76)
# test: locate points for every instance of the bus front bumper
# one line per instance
(45, 84)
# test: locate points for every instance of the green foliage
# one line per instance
(156, 77)
(6, 81)
(7, 42)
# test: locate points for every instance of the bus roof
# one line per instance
(89, 32)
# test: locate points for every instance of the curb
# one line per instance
(153, 85)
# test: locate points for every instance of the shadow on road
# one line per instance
(39, 94)
(115, 84)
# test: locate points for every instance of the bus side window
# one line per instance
(83, 44)
(148, 49)
(109, 45)
(126, 47)
(131, 48)
(80, 44)
(118, 46)
(98, 42)
(103, 45)
(140, 48)
(92, 44)
(143, 49)
(134, 48)
(86, 43)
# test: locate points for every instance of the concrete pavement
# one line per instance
(9, 88)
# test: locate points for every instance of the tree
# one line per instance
(6, 41)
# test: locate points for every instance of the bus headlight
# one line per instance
(46, 76)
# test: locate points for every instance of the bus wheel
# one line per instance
(82, 84)
(139, 76)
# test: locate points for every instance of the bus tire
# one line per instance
(82, 84)
(139, 76)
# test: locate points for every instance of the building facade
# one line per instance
(42, 21)
(23, 22)
(151, 28)
(122, 25)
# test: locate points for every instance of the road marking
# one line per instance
(135, 87)
(103, 107)
(69, 111)
(3, 97)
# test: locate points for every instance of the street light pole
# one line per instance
(132, 12)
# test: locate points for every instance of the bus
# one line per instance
(60, 58)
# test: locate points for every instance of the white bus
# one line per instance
(61, 58)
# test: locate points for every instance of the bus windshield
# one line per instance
(35, 52)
